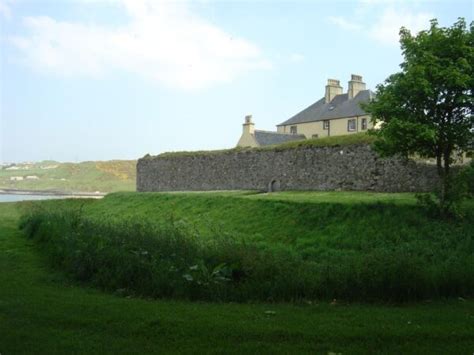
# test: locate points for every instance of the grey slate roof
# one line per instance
(339, 107)
(270, 138)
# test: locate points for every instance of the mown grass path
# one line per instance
(41, 312)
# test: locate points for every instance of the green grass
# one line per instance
(42, 312)
(286, 246)
(348, 139)
(339, 197)
(288, 217)
(104, 176)
(356, 138)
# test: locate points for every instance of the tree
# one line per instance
(426, 109)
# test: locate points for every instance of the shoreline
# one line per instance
(52, 193)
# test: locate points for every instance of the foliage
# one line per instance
(256, 249)
(467, 178)
(426, 109)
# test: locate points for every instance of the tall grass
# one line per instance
(171, 259)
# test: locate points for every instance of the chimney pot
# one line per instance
(248, 126)
(355, 86)
(333, 88)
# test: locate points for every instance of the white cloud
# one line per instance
(163, 41)
(381, 20)
(341, 22)
(5, 10)
(297, 57)
(387, 27)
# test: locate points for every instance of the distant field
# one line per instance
(103, 176)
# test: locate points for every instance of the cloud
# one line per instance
(383, 19)
(297, 57)
(163, 41)
(341, 22)
(5, 10)
(387, 27)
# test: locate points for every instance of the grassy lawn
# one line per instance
(340, 197)
(42, 312)
(243, 246)
(297, 220)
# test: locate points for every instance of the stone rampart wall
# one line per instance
(355, 167)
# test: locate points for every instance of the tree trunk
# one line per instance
(445, 201)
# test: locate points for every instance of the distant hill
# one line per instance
(90, 176)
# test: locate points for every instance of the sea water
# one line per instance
(15, 197)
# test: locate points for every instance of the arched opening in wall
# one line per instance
(274, 186)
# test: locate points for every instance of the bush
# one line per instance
(467, 178)
(461, 188)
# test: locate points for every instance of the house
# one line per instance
(252, 137)
(335, 114)
(16, 178)
(32, 177)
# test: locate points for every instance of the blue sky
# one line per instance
(96, 80)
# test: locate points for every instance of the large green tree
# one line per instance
(426, 108)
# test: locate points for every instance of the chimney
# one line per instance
(355, 86)
(333, 88)
(249, 126)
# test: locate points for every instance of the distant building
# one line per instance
(13, 168)
(44, 167)
(16, 178)
(32, 177)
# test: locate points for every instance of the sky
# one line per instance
(103, 79)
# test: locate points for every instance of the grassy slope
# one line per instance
(310, 223)
(106, 176)
(41, 312)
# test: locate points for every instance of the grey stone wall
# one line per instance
(355, 167)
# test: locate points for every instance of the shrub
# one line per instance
(467, 178)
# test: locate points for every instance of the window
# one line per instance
(326, 125)
(351, 125)
(315, 136)
(293, 129)
(364, 124)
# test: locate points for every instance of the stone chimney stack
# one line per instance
(333, 88)
(355, 86)
(248, 125)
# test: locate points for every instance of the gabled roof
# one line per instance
(339, 107)
(270, 138)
